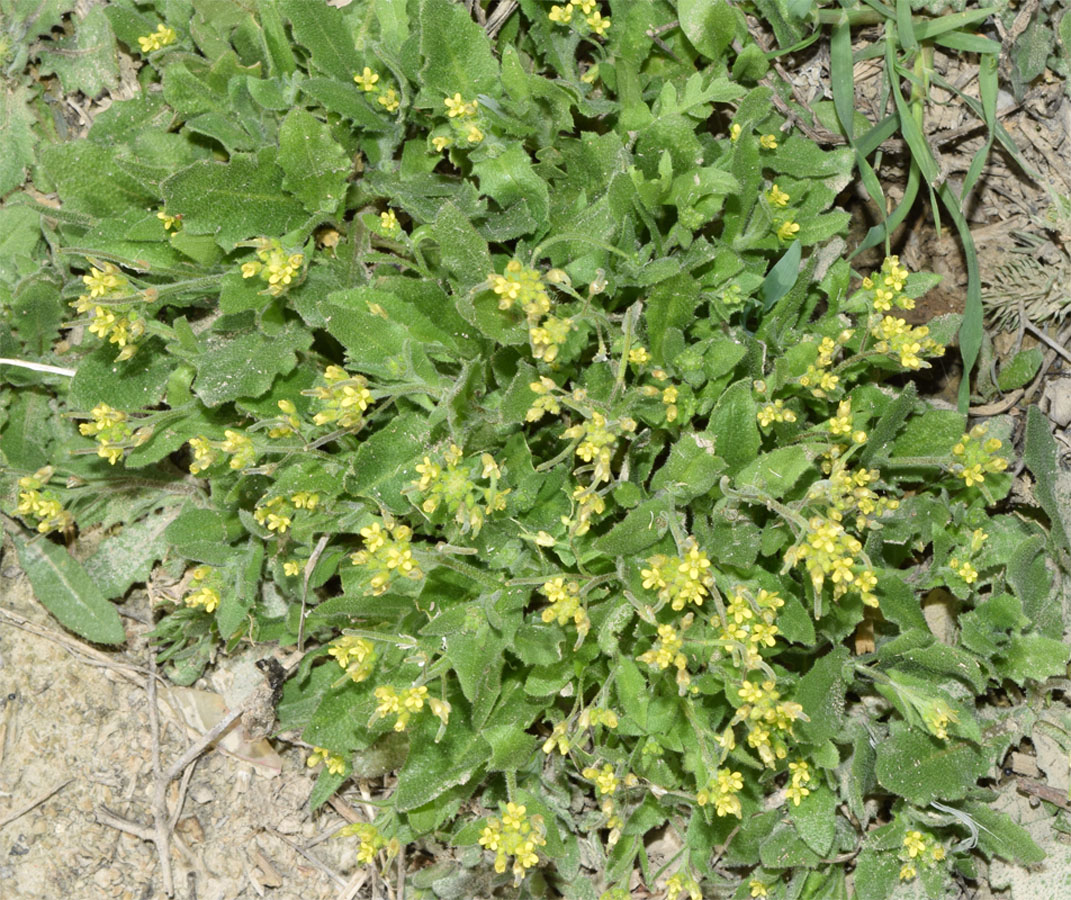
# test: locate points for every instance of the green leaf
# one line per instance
(1034, 657)
(999, 836)
(245, 364)
(785, 849)
(133, 384)
(87, 61)
(16, 136)
(243, 574)
(642, 527)
(710, 25)
(922, 768)
(324, 32)
(464, 253)
(777, 472)
(816, 820)
(454, 52)
(876, 875)
(67, 591)
(1021, 370)
(91, 179)
(315, 164)
(821, 693)
(509, 177)
(38, 312)
(671, 305)
(1040, 455)
(127, 558)
(202, 535)
(511, 746)
(434, 768)
(233, 201)
(691, 470)
(733, 426)
(934, 433)
(377, 471)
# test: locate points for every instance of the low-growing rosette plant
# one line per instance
(523, 387)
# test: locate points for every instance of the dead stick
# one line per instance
(11, 817)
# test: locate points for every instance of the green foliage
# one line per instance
(519, 384)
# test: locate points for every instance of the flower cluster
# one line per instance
(368, 81)
(525, 287)
(961, 564)
(274, 265)
(157, 40)
(597, 439)
(112, 431)
(387, 554)
(910, 343)
(545, 401)
(799, 777)
(410, 700)
(666, 650)
(371, 841)
(829, 550)
(345, 398)
(110, 318)
(848, 492)
(462, 126)
(819, 377)
(355, 655)
(683, 882)
(919, 849)
(565, 605)
(680, 580)
(722, 790)
(589, 502)
(235, 444)
(277, 513)
(335, 764)
(750, 624)
(44, 505)
(593, 18)
(976, 456)
(516, 834)
(206, 583)
(450, 482)
(775, 412)
(884, 289)
(768, 719)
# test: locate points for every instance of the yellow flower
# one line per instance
(734, 132)
(291, 568)
(157, 39)
(914, 843)
(787, 230)
(455, 106)
(778, 197)
(907, 872)
(474, 135)
(388, 221)
(561, 14)
(389, 100)
(768, 141)
(597, 23)
(441, 143)
(758, 889)
(366, 81)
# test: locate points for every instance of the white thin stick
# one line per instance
(37, 367)
(1041, 336)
